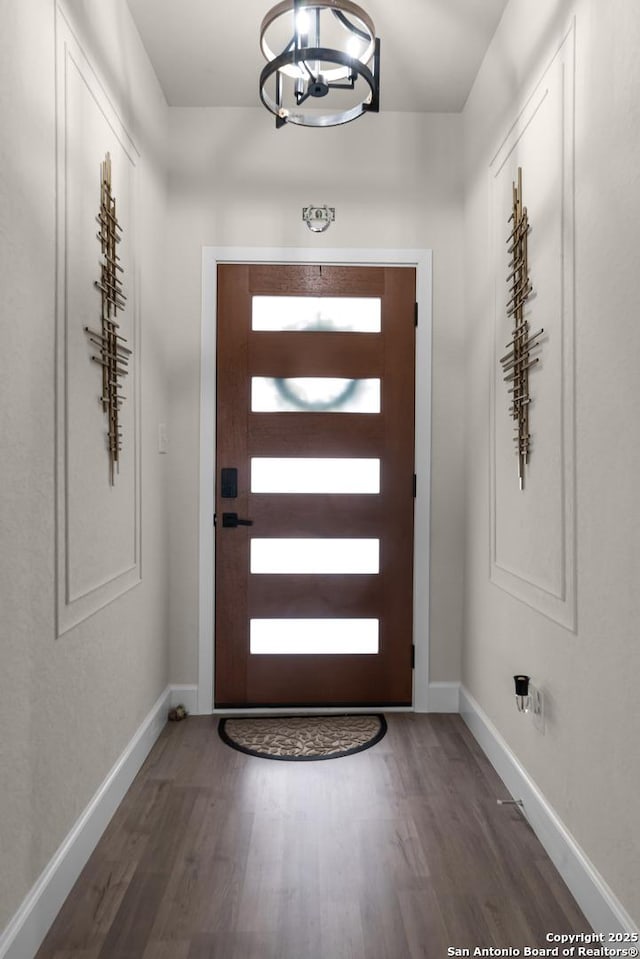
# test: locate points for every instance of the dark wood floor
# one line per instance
(394, 853)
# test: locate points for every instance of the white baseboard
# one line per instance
(603, 911)
(24, 934)
(443, 698)
(186, 696)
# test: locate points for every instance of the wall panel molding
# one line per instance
(533, 532)
(98, 526)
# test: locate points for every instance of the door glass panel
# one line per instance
(314, 394)
(320, 556)
(314, 636)
(314, 475)
(325, 314)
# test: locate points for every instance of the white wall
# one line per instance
(587, 762)
(395, 181)
(68, 704)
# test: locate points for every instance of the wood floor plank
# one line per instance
(341, 932)
(206, 881)
(394, 853)
(76, 954)
(129, 933)
(424, 926)
(382, 920)
(238, 945)
(167, 950)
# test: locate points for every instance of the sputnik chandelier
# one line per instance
(328, 70)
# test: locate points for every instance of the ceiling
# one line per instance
(206, 52)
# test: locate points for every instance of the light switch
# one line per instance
(163, 439)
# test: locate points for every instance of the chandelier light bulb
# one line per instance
(303, 23)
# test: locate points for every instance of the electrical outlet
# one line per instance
(537, 707)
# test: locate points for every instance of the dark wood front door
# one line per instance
(314, 486)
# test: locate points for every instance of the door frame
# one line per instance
(421, 260)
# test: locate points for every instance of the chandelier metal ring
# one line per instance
(312, 120)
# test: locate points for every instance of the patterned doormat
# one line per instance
(302, 738)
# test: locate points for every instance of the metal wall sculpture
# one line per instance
(517, 362)
(114, 355)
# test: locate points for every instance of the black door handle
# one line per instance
(231, 520)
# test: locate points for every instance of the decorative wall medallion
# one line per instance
(318, 218)
(517, 362)
(114, 355)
